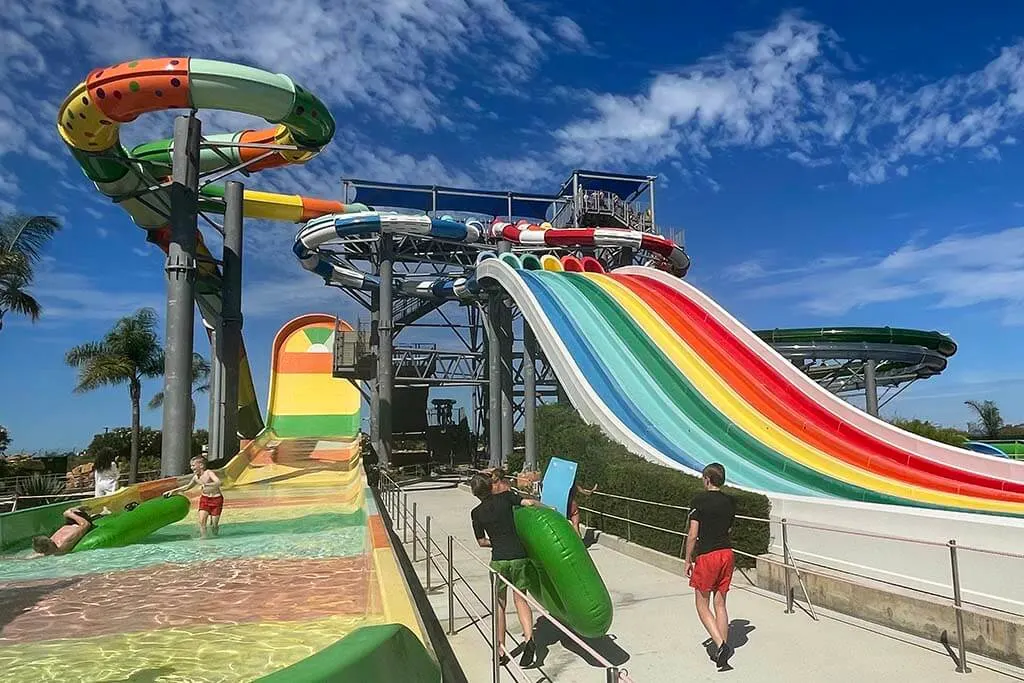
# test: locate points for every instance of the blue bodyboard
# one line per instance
(559, 479)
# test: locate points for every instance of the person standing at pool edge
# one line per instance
(211, 502)
(710, 561)
(494, 528)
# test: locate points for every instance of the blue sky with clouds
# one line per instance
(854, 164)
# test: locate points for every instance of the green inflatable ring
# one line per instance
(565, 580)
(131, 526)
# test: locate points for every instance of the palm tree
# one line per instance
(21, 246)
(200, 385)
(989, 420)
(129, 352)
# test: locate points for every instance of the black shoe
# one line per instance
(724, 653)
(503, 660)
(711, 649)
(529, 652)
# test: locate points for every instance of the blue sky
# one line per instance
(830, 165)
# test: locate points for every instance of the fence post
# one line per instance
(415, 533)
(961, 666)
(405, 518)
(785, 561)
(428, 552)
(495, 656)
(451, 587)
(629, 533)
(612, 674)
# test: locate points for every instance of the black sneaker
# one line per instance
(724, 653)
(710, 648)
(529, 652)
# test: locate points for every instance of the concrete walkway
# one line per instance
(656, 636)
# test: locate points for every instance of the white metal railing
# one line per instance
(955, 600)
(396, 504)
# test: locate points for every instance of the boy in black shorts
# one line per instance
(494, 528)
(709, 559)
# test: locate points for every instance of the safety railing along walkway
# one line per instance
(401, 517)
(790, 568)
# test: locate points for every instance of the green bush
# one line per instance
(930, 430)
(561, 432)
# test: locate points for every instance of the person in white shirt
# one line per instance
(106, 472)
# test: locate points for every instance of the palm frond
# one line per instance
(19, 301)
(84, 353)
(156, 401)
(27, 235)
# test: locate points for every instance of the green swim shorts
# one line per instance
(515, 571)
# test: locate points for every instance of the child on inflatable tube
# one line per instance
(494, 528)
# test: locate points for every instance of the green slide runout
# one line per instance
(386, 653)
(125, 528)
(565, 580)
(936, 341)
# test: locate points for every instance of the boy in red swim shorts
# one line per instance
(709, 559)
(211, 502)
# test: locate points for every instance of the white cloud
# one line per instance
(791, 86)
(569, 32)
(957, 271)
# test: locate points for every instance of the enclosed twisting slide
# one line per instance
(90, 118)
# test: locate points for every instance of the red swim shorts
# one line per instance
(212, 504)
(713, 571)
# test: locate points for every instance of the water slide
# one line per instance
(301, 583)
(668, 373)
(89, 122)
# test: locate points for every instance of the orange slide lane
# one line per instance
(774, 397)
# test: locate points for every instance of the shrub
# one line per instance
(561, 432)
(39, 485)
(930, 430)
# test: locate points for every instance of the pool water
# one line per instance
(291, 572)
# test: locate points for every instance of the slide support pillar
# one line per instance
(870, 388)
(215, 437)
(176, 439)
(506, 338)
(385, 363)
(229, 346)
(374, 392)
(493, 381)
(529, 396)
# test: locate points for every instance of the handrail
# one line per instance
(495, 576)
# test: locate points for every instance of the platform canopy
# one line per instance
(625, 186)
(437, 198)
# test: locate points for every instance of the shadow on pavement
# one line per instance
(546, 634)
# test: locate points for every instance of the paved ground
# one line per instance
(656, 636)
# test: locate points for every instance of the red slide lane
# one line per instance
(776, 398)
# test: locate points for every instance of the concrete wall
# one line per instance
(992, 634)
(983, 577)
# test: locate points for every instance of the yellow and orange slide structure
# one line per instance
(301, 584)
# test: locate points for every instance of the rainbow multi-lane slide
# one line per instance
(672, 376)
(301, 584)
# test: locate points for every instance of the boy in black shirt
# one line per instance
(494, 528)
(709, 559)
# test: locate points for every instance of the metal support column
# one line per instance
(529, 396)
(494, 446)
(230, 337)
(176, 443)
(870, 388)
(374, 393)
(215, 422)
(506, 338)
(385, 364)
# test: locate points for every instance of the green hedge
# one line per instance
(561, 432)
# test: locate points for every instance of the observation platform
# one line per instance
(655, 635)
